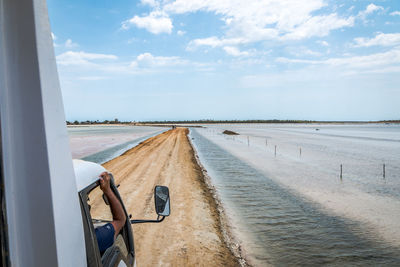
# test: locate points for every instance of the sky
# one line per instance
(220, 59)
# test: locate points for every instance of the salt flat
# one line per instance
(87, 140)
(369, 202)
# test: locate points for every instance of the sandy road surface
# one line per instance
(191, 235)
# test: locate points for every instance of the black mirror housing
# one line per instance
(161, 200)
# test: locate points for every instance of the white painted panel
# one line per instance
(86, 173)
(44, 219)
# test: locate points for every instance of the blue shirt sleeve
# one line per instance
(105, 236)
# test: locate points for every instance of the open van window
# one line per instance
(97, 214)
(99, 210)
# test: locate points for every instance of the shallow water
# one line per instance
(280, 223)
(102, 143)
(116, 150)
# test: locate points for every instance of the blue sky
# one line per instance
(219, 59)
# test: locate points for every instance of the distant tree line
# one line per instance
(89, 122)
(209, 121)
(227, 121)
(390, 121)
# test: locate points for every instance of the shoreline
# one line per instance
(225, 226)
(193, 234)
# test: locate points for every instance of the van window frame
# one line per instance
(4, 250)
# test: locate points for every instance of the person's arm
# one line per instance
(118, 213)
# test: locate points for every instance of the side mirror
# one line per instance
(161, 199)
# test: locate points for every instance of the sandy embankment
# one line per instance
(191, 235)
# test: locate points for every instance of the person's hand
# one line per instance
(105, 182)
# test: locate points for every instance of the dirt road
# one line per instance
(191, 235)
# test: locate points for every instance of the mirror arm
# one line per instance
(147, 221)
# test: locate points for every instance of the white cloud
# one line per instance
(82, 58)
(180, 33)
(215, 42)
(151, 3)
(381, 39)
(395, 13)
(156, 22)
(373, 61)
(323, 43)
(304, 51)
(257, 20)
(147, 60)
(234, 51)
(318, 26)
(70, 44)
(369, 61)
(314, 26)
(371, 8)
(254, 21)
(92, 66)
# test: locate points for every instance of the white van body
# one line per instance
(43, 215)
(86, 173)
(44, 219)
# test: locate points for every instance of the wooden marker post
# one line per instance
(248, 141)
(341, 171)
(300, 151)
(384, 170)
(275, 150)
